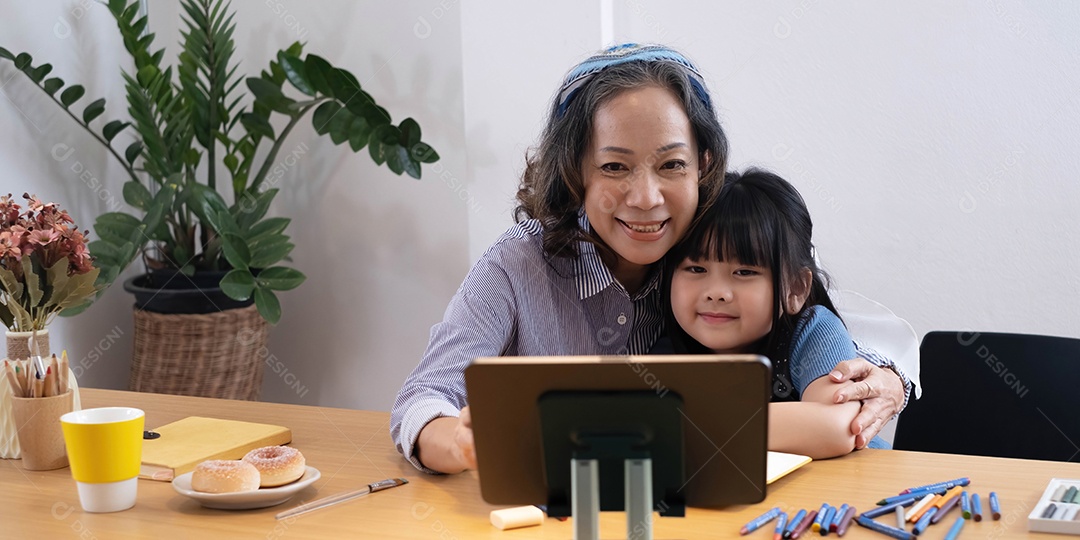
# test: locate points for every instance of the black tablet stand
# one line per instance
(613, 451)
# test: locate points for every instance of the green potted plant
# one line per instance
(198, 180)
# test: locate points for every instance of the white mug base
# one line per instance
(108, 496)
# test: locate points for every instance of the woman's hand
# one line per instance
(446, 444)
(464, 447)
(880, 390)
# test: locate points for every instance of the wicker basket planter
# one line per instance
(215, 353)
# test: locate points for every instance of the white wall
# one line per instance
(933, 143)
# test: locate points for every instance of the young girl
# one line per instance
(744, 280)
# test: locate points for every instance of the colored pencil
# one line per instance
(995, 506)
(816, 525)
(757, 522)
(916, 514)
(781, 522)
(884, 529)
(946, 485)
(795, 521)
(888, 509)
(805, 524)
(954, 531)
(924, 521)
(846, 521)
(945, 509)
(914, 495)
(837, 517)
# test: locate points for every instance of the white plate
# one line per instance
(260, 498)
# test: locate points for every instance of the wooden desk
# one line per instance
(352, 448)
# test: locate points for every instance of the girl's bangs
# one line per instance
(745, 232)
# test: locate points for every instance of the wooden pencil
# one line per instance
(12, 379)
(64, 383)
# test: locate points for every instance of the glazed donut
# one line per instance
(278, 465)
(225, 476)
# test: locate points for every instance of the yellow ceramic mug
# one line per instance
(104, 448)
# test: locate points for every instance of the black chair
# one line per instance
(1002, 395)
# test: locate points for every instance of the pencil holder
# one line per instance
(41, 441)
(9, 437)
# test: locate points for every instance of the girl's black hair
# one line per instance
(758, 219)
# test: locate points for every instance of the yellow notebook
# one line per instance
(780, 464)
(186, 443)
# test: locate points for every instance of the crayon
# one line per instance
(995, 506)
(1069, 494)
(916, 515)
(949, 494)
(885, 529)
(845, 522)
(924, 521)
(976, 507)
(1049, 511)
(1059, 493)
(1070, 515)
(781, 522)
(805, 524)
(965, 505)
(759, 521)
(1075, 516)
(836, 518)
(900, 517)
(945, 509)
(1075, 498)
(954, 531)
(888, 509)
(816, 525)
(909, 496)
(827, 521)
(946, 485)
(795, 521)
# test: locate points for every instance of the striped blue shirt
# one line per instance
(518, 301)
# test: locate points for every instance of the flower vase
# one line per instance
(18, 348)
(18, 344)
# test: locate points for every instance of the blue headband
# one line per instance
(621, 54)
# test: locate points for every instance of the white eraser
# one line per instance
(513, 518)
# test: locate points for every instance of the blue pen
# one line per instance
(976, 507)
(816, 525)
(781, 521)
(839, 516)
(826, 522)
(795, 521)
(924, 521)
(885, 529)
(965, 505)
(759, 521)
(995, 506)
(954, 531)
